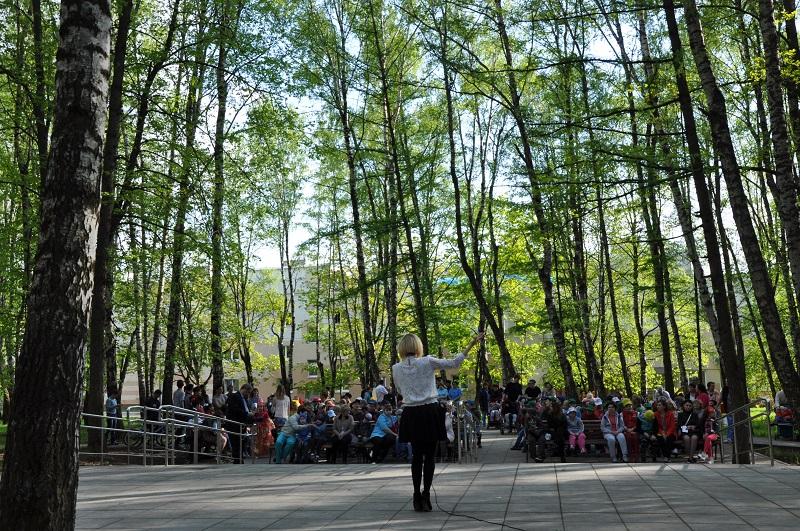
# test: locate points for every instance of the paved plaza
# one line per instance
(580, 496)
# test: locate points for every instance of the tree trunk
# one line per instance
(192, 113)
(496, 326)
(100, 344)
(40, 106)
(545, 266)
(792, 87)
(40, 471)
(341, 97)
(137, 306)
(784, 170)
(725, 247)
(612, 297)
(389, 124)
(219, 195)
(637, 319)
(759, 275)
(593, 370)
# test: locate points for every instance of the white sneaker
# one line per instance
(710, 461)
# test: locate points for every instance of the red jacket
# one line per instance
(704, 399)
(666, 424)
(630, 418)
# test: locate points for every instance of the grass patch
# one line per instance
(3, 429)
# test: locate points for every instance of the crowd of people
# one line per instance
(324, 428)
(633, 429)
(242, 424)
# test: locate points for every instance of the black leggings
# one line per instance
(423, 451)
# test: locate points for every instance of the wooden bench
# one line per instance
(594, 435)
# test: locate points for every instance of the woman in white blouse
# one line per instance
(422, 423)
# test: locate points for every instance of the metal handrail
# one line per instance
(243, 428)
(749, 420)
(172, 431)
(466, 436)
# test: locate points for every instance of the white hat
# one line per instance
(598, 401)
(571, 410)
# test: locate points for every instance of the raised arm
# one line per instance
(439, 363)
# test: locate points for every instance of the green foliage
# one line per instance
(287, 180)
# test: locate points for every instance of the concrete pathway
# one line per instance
(501, 489)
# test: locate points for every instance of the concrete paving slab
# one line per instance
(502, 488)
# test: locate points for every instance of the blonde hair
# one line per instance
(409, 345)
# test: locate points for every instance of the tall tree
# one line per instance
(39, 483)
(759, 275)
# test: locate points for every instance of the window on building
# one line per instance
(311, 369)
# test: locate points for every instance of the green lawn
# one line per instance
(760, 424)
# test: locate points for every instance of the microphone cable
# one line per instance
(502, 525)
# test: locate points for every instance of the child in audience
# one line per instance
(576, 431)
(710, 434)
(646, 432)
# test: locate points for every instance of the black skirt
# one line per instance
(423, 423)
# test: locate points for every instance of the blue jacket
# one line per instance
(383, 425)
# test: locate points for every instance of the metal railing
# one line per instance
(767, 413)
(152, 436)
(466, 436)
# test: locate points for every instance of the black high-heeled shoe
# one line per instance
(418, 502)
(426, 502)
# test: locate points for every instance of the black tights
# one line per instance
(423, 451)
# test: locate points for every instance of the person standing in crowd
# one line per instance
(510, 398)
(112, 414)
(780, 399)
(661, 393)
(548, 391)
(153, 403)
(513, 390)
(367, 393)
(532, 392)
(281, 404)
(483, 402)
(380, 392)
(188, 392)
(178, 395)
(702, 395)
(238, 412)
(713, 394)
(496, 393)
(423, 418)
(692, 394)
(724, 407)
(219, 399)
